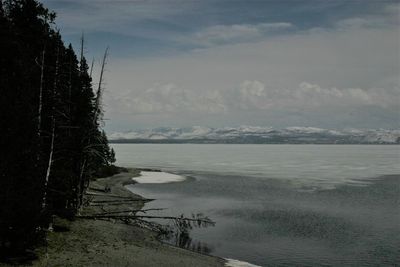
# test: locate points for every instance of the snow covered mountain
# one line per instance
(258, 135)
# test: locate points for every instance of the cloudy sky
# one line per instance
(216, 63)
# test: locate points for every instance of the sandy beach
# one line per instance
(91, 242)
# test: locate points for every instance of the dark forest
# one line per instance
(52, 142)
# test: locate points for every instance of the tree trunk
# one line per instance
(39, 125)
(53, 127)
(99, 89)
(91, 68)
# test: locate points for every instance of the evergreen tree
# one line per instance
(51, 141)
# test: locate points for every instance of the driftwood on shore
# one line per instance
(182, 224)
(117, 203)
(106, 195)
(125, 211)
(109, 216)
(122, 200)
(127, 208)
(130, 216)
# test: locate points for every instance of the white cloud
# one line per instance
(255, 95)
(315, 95)
(225, 34)
(167, 98)
(249, 95)
(159, 98)
(354, 23)
(370, 22)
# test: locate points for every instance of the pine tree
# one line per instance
(51, 139)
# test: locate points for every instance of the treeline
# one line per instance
(50, 125)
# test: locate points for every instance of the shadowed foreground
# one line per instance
(107, 243)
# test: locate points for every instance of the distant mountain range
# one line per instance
(257, 135)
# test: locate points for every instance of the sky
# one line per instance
(218, 63)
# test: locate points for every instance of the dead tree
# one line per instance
(129, 212)
(82, 47)
(96, 116)
(183, 224)
(181, 218)
(99, 92)
(53, 126)
(41, 94)
(91, 68)
(39, 126)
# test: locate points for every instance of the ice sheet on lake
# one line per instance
(237, 263)
(148, 177)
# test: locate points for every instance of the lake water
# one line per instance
(281, 205)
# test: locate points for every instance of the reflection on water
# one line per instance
(178, 233)
(183, 240)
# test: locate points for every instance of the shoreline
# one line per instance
(90, 242)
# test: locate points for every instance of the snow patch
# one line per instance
(148, 177)
(237, 263)
(305, 129)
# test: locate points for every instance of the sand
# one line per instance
(112, 243)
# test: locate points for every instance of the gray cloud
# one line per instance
(325, 78)
(251, 73)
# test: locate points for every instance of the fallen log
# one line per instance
(105, 195)
(134, 217)
(122, 200)
(124, 211)
(113, 204)
(98, 189)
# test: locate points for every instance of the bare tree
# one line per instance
(91, 68)
(82, 47)
(96, 116)
(99, 92)
(53, 126)
(41, 92)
